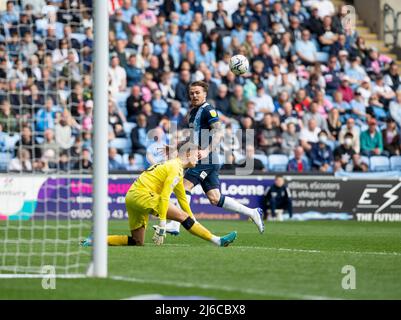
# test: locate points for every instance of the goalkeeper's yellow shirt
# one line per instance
(163, 179)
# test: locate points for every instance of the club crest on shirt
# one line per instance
(213, 113)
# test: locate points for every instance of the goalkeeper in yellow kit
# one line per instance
(150, 194)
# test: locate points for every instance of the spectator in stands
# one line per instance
(269, 136)
(324, 104)
(263, 103)
(332, 76)
(159, 105)
(22, 162)
(392, 77)
(175, 115)
(116, 120)
(28, 47)
(87, 120)
(360, 164)
(395, 109)
(238, 102)
(181, 89)
(375, 62)
(350, 128)
(277, 196)
(299, 163)
(152, 119)
(250, 161)
(154, 152)
(334, 124)
(54, 59)
(306, 49)
(132, 164)
(290, 138)
(50, 148)
(63, 131)
(314, 114)
(309, 135)
(64, 163)
(28, 141)
(118, 76)
(358, 108)
(134, 103)
(139, 135)
(391, 138)
(356, 73)
(321, 154)
(115, 160)
(222, 19)
(371, 140)
(84, 163)
(384, 92)
(346, 90)
(344, 153)
(327, 35)
(8, 118)
(45, 117)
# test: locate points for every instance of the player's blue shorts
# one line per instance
(205, 174)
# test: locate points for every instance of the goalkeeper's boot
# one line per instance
(228, 238)
(258, 219)
(88, 242)
(173, 228)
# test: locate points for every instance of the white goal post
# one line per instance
(47, 205)
(100, 164)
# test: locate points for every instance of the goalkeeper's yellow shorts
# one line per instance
(140, 204)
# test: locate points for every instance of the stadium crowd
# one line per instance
(316, 96)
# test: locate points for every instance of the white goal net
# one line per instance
(46, 147)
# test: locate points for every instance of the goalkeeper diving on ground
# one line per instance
(150, 195)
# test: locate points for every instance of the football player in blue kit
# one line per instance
(205, 129)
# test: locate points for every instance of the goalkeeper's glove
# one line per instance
(160, 233)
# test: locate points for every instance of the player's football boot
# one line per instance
(88, 242)
(172, 227)
(258, 220)
(228, 238)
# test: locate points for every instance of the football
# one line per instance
(239, 64)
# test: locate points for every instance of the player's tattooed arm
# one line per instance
(216, 134)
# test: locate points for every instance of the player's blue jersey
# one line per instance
(200, 121)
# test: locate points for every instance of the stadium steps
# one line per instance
(371, 38)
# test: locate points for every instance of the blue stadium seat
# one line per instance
(366, 160)
(139, 159)
(119, 158)
(5, 158)
(263, 158)
(395, 163)
(226, 42)
(277, 162)
(125, 158)
(121, 144)
(379, 163)
(128, 126)
(10, 141)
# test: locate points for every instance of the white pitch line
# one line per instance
(301, 250)
(224, 288)
(177, 284)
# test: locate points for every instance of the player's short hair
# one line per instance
(201, 83)
(185, 146)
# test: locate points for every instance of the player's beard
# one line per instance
(197, 105)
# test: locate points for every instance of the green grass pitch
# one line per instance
(292, 260)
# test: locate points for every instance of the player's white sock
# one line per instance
(233, 205)
(216, 240)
